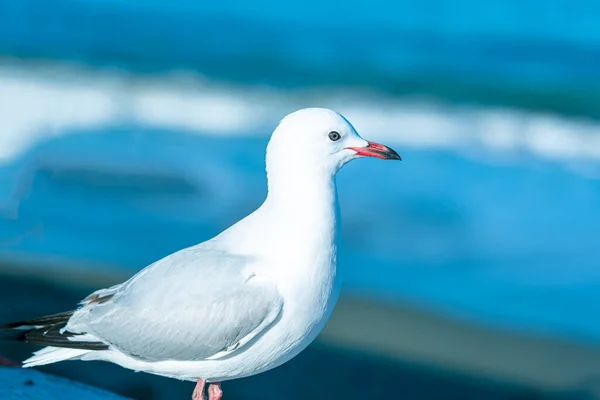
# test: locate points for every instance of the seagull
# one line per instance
(244, 302)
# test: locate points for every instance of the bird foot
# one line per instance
(199, 390)
(214, 391)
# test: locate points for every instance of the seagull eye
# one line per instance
(334, 136)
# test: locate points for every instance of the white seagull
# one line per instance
(241, 303)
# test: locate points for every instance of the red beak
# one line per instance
(376, 150)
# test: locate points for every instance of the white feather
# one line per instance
(49, 355)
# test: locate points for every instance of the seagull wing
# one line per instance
(195, 304)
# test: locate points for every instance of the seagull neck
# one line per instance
(301, 237)
(302, 195)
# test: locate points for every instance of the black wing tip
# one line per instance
(55, 336)
(36, 323)
(49, 331)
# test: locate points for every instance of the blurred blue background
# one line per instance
(129, 130)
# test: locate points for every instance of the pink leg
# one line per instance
(199, 390)
(214, 391)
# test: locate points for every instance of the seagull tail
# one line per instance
(51, 331)
(49, 355)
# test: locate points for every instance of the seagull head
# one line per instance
(321, 139)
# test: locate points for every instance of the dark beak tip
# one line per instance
(393, 155)
(377, 150)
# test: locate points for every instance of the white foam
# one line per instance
(37, 103)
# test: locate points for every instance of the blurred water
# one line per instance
(492, 216)
(532, 54)
(503, 238)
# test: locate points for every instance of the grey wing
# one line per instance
(190, 306)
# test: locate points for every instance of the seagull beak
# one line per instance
(376, 150)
